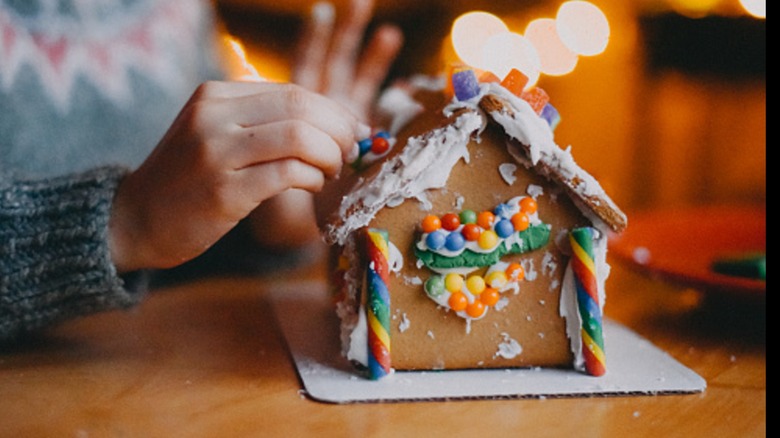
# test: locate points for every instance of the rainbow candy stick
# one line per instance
(378, 304)
(584, 268)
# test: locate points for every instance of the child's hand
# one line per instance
(332, 61)
(234, 145)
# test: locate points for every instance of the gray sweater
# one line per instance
(87, 89)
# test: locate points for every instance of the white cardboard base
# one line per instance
(310, 326)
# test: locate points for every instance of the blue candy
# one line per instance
(455, 241)
(465, 84)
(435, 240)
(504, 228)
(551, 115)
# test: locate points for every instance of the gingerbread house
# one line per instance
(464, 237)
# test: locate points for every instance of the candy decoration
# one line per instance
(488, 77)
(551, 115)
(378, 303)
(372, 148)
(465, 84)
(582, 263)
(537, 98)
(515, 81)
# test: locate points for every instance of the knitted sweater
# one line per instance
(87, 89)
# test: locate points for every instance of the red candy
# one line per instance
(450, 221)
(471, 232)
(379, 145)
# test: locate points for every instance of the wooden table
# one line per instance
(207, 358)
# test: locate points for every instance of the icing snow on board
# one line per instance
(310, 326)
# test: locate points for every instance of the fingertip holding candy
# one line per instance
(370, 148)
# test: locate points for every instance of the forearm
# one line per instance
(54, 258)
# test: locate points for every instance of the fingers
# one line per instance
(266, 180)
(294, 104)
(314, 47)
(287, 139)
(375, 63)
(346, 46)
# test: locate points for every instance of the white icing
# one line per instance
(405, 323)
(358, 340)
(507, 172)
(568, 305)
(397, 104)
(425, 163)
(509, 348)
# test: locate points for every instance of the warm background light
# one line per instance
(583, 27)
(509, 50)
(756, 8)
(694, 8)
(556, 59)
(471, 31)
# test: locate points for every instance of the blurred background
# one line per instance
(671, 113)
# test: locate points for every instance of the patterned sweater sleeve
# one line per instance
(54, 258)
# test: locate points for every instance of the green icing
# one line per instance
(532, 238)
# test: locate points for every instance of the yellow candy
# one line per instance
(476, 284)
(453, 282)
(497, 279)
(488, 239)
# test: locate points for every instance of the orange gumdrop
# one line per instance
(475, 309)
(520, 221)
(431, 223)
(458, 301)
(489, 296)
(528, 205)
(485, 219)
(515, 272)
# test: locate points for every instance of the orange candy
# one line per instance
(515, 271)
(489, 296)
(515, 81)
(488, 76)
(475, 309)
(431, 223)
(471, 232)
(528, 205)
(520, 221)
(485, 219)
(458, 301)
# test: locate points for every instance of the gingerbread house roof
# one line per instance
(423, 162)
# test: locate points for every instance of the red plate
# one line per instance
(681, 245)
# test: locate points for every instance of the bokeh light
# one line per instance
(693, 8)
(508, 50)
(556, 59)
(471, 31)
(756, 8)
(582, 27)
